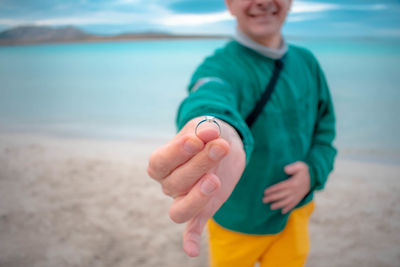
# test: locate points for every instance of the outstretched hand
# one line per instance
(199, 172)
(287, 194)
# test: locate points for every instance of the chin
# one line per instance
(264, 33)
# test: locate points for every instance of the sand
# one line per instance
(77, 202)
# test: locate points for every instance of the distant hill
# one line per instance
(34, 34)
(40, 34)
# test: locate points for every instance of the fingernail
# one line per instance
(216, 152)
(190, 147)
(207, 187)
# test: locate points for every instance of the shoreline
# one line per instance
(391, 158)
(133, 38)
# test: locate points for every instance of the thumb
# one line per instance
(293, 168)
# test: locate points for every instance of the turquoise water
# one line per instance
(132, 89)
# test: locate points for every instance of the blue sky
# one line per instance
(377, 18)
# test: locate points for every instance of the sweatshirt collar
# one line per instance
(244, 40)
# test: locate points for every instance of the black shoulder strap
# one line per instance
(251, 118)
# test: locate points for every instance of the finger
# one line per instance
(289, 207)
(281, 203)
(294, 167)
(207, 134)
(187, 207)
(276, 196)
(193, 230)
(164, 160)
(192, 235)
(277, 187)
(183, 178)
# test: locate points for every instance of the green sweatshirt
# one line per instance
(297, 124)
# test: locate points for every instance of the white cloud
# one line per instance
(11, 22)
(303, 10)
(194, 19)
(306, 7)
(298, 18)
(365, 7)
(156, 14)
(128, 1)
(112, 18)
(309, 7)
(200, 19)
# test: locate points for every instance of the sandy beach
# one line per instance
(89, 202)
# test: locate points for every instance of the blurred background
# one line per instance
(89, 88)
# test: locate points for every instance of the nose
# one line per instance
(262, 2)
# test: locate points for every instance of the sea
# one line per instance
(131, 89)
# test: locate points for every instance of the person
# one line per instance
(253, 185)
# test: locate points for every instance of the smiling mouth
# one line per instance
(264, 16)
(269, 11)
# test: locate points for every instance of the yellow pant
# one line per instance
(289, 248)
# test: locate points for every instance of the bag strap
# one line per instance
(251, 118)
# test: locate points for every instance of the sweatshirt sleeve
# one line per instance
(321, 155)
(213, 91)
